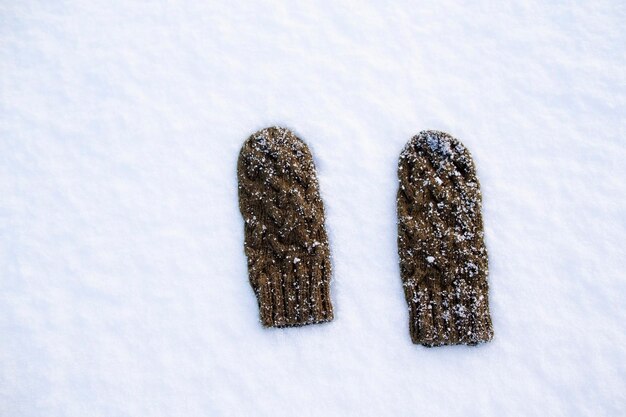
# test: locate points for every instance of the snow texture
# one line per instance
(123, 282)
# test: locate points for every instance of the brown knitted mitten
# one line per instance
(285, 240)
(443, 259)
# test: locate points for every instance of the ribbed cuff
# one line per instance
(294, 298)
(454, 314)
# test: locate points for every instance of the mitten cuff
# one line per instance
(452, 314)
(293, 300)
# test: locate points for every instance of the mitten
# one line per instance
(285, 239)
(443, 259)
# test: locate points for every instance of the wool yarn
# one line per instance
(285, 239)
(443, 258)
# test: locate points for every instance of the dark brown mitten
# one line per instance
(443, 259)
(285, 240)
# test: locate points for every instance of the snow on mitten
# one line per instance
(285, 239)
(443, 259)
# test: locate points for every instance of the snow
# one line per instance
(123, 282)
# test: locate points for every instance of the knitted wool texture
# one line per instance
(443, 259)
(285, 239)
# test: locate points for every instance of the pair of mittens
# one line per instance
(443, 260)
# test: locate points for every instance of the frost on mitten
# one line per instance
(285, 240)
(443, 259)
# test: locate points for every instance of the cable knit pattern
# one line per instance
(443, 259)
(285, 239)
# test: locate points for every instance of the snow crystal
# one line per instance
(439, 145)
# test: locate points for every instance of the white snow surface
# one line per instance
(123, 282)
